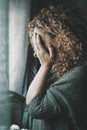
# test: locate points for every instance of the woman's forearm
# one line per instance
(38, 83)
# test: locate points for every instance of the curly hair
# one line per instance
(71, 36)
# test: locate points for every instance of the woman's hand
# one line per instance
(45, 55)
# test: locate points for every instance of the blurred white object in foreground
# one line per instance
(14, 127)
(24, 129)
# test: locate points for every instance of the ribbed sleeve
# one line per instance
(47, 105)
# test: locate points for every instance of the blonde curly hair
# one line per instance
(70, 33)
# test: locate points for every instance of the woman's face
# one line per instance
(46, 37)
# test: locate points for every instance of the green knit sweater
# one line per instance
(63, 105)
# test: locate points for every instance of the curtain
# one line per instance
(4, 63)
(18, 44)
(14, 18)
(4, 40)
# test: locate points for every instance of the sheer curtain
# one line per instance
(4, 64)
(19, 11)
(4, 40)
(14, 18)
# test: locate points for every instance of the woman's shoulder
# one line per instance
(77, 73)
(73, 83)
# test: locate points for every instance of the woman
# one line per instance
(57, 95)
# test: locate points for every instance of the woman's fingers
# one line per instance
(45, 55)
(51, 52)
(40, 44)
(35, 42)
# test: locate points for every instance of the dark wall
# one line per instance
(77, 5)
